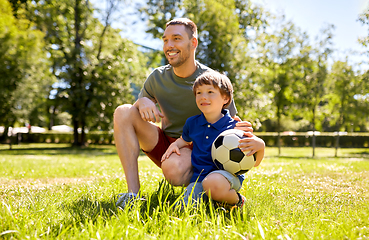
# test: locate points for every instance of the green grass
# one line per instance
(53, 191)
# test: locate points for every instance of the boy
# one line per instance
(213, 92)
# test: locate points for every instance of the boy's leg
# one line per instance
(222, 186)
(193, 192)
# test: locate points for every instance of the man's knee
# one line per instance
(123, 113)
(175, 173)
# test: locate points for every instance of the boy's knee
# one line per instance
(213, 185)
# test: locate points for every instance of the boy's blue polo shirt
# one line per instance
(202, 134)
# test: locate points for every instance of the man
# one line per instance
(170, 87)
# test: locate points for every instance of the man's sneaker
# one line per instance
(125, 199)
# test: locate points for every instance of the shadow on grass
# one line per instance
(83, 211)
(86, 210)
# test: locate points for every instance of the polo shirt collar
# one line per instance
(220, 123)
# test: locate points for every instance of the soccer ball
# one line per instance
(226, 154)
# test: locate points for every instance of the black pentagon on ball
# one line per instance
(241, 172)
(218, 164)
(218, 142)
(236, 155)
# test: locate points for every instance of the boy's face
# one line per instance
(209, 99)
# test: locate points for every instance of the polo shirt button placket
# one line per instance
(207, 137)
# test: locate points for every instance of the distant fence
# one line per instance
(302, 139)
(298, 139)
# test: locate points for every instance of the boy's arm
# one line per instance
(253, 145)
(174, 147)
(259, 156)
(243, 125)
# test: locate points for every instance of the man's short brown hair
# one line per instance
(190, 26)
(218, 80)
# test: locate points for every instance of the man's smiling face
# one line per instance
(177, 45)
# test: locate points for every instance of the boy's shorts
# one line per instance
(163, 143)
(232, 179)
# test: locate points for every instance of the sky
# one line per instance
(310, 16)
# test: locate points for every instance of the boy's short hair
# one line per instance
(190, 26)
(218, 80)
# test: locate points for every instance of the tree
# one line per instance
(364, 19)
(311, 88)
(363, 96)
(16, 4)
(23, 66)
(95, 67)
(344, 86)
(279, 55)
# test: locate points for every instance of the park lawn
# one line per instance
(53, 191)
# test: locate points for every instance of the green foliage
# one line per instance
(218, 32)
(281, 61)
(344, 85)
(24, 77)
(364, 19)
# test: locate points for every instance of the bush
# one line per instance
(352, 140)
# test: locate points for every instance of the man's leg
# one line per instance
(131, 133)
(177, 169)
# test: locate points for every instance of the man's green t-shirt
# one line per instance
(175, 97)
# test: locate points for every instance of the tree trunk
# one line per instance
(83, 134)
(279, 131)
(314, 138)
(75, 132)
(337, 144)
(52, 117)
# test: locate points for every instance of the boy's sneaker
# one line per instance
(125, 199)
(227, 206)
(241, 201)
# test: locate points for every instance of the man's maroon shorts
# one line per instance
(163, 143)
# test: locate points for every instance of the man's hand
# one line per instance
(243, 125)
(148, 110)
